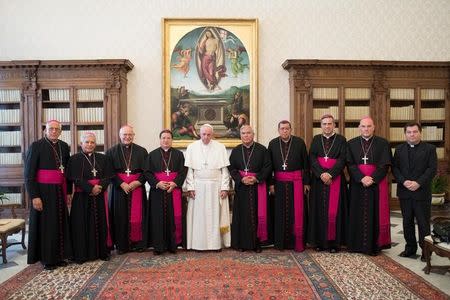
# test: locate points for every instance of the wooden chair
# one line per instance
(9, 227)
(441, 249)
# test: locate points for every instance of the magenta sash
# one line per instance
(384, 236)
(296, 178)
(261, 232)
(105, 199)
(176, 201)
(136, 207)
(53, 177)
(333, 201)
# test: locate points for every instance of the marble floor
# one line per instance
(17, 259)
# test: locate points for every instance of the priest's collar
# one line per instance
(249, 145)
(88, 154)
(413, 145)
(330, 136)
(165, 150)
(286, 141)
(126, 146)
(367, 139)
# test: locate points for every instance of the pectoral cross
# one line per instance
(246, 171)
(128, 172)
(94, 171)
(365, 159)
(167, 172)
(284, 166)
(61, 167)
(326, 158)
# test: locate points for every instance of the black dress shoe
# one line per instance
(62, 263)
(258, 250)
(106, 258)
(406, 254)
(319, 249)
(333, 250)
(120, 252)
(50, 267)
(156, 252)
(422, 258)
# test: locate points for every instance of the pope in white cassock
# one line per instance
(207, 183)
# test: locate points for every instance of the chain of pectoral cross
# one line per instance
(93, 171)
(284, 159)
(167, 163)
(365, 158)
(323, 147)
(58, 158)
(127, 164)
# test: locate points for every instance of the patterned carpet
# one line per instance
(225, 275)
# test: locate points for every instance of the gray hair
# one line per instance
(207, 126)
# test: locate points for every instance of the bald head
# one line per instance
(126, 134)
(366, 127)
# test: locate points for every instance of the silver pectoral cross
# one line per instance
(326, 157)
(94, 172)
(61, 167)
(128, 172)
(167, 172)
(284, 166)
(246, 171)
(365, 159)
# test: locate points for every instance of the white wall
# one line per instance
(296, 29)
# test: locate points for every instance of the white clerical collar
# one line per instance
(413, 145)
(165, 150)
(367, 139)
(328, 137)
(249, 146)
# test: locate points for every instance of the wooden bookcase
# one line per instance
(85, 95)
(392, 92)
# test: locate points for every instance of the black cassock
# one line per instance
(364, 215)
(88, 215)
(49, 235)
(162, 223)
(245, 203)
(335, 148)
(297, 159)
(120, 202)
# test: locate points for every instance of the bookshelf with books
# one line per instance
(84, 95)
(392, 92)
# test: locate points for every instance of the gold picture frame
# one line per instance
(210, 75)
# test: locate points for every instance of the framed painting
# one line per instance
(210, 76)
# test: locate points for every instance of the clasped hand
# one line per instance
(167, 186)
(249, 180)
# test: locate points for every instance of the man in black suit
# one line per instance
(414, 167)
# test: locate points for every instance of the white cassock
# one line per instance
(208, 216)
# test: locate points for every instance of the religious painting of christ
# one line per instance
(210, 76)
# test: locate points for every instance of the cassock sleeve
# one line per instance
(66, 159)
(225, 185)
(266, 170)
(181, 170)
(108, 173)
(150, 174)
(31, 166)
(340, 163)
(189, 183)
(73, 173)
(431, 169)
(316, 168)
(353, 169)
(143, 154)
(305, 159)
(233, 168)
(116, 181)
(396, 166)
(384, 161)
